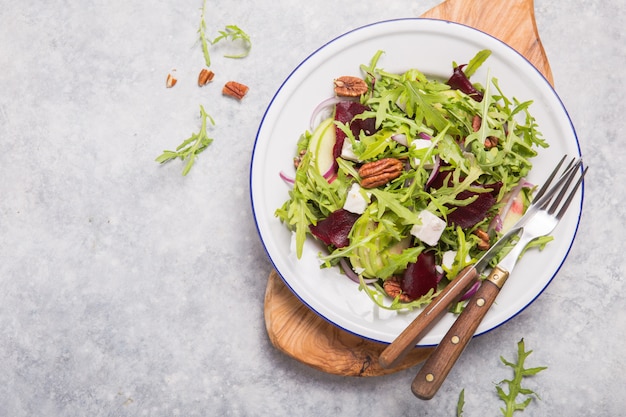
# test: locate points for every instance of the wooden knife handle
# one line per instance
(402, 345)
(440, 362)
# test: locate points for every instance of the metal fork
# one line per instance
(549, 211)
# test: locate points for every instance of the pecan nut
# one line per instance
(393, 289)
(377, 173)
(170, 81)
(477, 121)
(349, 86)
(235, 89)
(205, 77)
(491, 142)
(483, 243)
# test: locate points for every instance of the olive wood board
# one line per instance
(299, 332)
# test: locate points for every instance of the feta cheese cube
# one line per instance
(421, 144)
(430, 229)
(355, 202)
(448, 258)
(347, 152)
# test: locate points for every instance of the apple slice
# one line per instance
(321, 145)
(516, 211)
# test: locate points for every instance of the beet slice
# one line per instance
(420, 277)
(459, 81)
(334, 229)
(345, 111)
(473, 213)
(469, 215)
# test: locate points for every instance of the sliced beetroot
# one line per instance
(334, 229)
(459, 81)
(344, 113)
(420, 277)
(469, 215)
(473, 213)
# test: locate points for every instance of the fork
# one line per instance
(549, 211)
(433, 312)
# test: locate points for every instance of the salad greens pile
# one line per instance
(466, 149)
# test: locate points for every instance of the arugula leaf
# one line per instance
(191, 147)
(202, 35)
(476, 62)
(234, 33)
(515, 385)
(460, 403)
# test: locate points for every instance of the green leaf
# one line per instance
(514, 385)
(234, 33)
(202, 35)
(460, 403)
(191, 147)
(476, 62)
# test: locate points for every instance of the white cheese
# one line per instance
(422, 144)
(347, 152)
(448, 258)
(430, 229)
(355, 202)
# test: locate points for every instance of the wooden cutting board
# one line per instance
(300, 333)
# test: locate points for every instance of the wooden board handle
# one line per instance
(512, 21)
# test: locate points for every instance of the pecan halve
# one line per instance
(205, 77)
(393, 289)
(377, 173)
(349, 86)
(484, 243)
(476, 123)
(235, 89)
(170, 81)
(491, 142)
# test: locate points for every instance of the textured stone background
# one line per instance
(128, 290)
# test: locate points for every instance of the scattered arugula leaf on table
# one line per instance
(202, 34)
(232, 32)
(460, 404)
(515, 384)
(191, 147)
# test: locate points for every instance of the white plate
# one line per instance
(431, 46)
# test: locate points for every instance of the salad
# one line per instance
(406, 179)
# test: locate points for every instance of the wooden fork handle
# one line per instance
(393, 354)
(440, 362)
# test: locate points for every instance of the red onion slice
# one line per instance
(324, 104)
(469, 293)
(289, 180)
(434, 172)
(347, 269)
(424, 136)
(331, 174)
